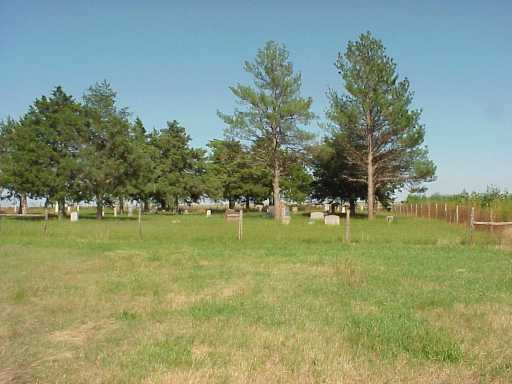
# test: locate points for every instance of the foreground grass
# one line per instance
(92, 302)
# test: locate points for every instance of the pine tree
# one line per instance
(382, 135)
(274, 110)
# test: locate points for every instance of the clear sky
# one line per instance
(175, 60)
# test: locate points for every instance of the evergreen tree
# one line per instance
(333, 176)
(179, 169)
(43, 150)
(142, 168)
(107, 146)
(274, 110)
(233, 169)
(16, 177)
(382, 135)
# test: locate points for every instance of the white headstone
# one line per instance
(56, 207)
(208, 212)
(69, 209)
(343, 209)
(316, 216)
(332, 220)
(295, 209)
(327, 207)
(74, 216)
(115, 211)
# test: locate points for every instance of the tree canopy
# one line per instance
(65, 150)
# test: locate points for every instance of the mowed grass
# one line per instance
(91, 302)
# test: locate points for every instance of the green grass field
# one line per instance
(90, 302)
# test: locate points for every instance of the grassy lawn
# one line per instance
(408, 302)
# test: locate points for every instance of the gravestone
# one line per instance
(208, 212)
(57, 208)
(286, 220)
(332, 220)
(316, 216)
(327, 207)
(74, 216)
(115, 211)
(295, 209)
(343, 209)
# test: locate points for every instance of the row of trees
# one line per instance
(64, 150)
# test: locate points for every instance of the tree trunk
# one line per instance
(23, 207)
(352, 203)
(121, 205)
(146, 205)
(275, 187)
(62, 208)
(175, 205)
(231, 203)
(99, 208)
(247, 204)
(371, 186)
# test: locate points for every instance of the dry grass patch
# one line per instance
(81, 334)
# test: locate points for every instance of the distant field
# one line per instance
(91, 302)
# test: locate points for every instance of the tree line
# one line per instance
(67, 150)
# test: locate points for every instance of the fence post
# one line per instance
(140, 220)
(445, 211)
(45, 227)
(471, 225)
(428, 207)
(491, 219)
(240, 223)
(347, 225)
(457, 214)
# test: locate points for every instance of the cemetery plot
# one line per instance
(94, 302)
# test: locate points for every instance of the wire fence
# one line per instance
(474, 218)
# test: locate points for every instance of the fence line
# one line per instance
(456, 214)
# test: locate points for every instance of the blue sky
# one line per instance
(175, 60)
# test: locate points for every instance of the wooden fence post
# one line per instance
(140, 220)
(240, 224)
(347, 225)
(457, 214)
(445, 211)
(416, 210)
(436, 212)
(45, 227)
(428, 207)
(471, 225)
